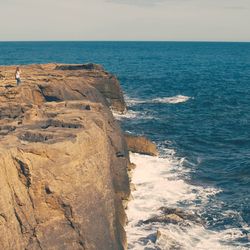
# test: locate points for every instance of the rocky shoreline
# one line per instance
(64, 159)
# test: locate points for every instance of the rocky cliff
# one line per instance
(63, 167)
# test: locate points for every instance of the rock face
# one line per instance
(141, 145)
(63, 168)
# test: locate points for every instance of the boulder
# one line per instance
(175, 216)
(141, 145)
(185, 215)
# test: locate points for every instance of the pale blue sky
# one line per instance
(182, 20)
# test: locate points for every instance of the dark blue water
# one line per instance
(211, 130)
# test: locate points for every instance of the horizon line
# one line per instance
(179, 41)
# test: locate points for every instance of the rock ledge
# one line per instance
(141, 145)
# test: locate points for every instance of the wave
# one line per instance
(172, 100)
(168, 100)
(159, 182)
(131, 114)
(133, 101)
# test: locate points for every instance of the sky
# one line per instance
(123, 20)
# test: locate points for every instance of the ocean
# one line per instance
(193, 100)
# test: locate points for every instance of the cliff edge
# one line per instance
(64, 159)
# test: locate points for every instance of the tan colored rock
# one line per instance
(107, 84)
(63, 168)
(165, 241)
(141, 145)
(131, 166)
(50, 82)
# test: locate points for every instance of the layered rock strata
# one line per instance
(64, 159)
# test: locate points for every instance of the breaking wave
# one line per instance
(160, 182)
(172, 100)
(168, 100)
(131, 114)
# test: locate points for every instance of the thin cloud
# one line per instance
(236, 8)
(226, 3)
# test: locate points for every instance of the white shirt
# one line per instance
(18, 74)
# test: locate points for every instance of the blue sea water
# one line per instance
(206, 121)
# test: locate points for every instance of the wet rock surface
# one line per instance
(64, 159)
(174, 216)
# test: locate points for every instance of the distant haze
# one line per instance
(174, 20)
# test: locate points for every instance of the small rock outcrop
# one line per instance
(175, 216)
(141, 145)
(64, 159)
(165, 218)
(163, 237)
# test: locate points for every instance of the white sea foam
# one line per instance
(159, 182)
(172, 100)
(168, 100)
(131, 114)
(134, 101)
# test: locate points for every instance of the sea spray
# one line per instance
(159, 183)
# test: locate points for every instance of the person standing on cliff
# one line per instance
(18, 76)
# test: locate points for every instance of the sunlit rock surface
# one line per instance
(63, 159)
